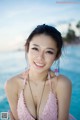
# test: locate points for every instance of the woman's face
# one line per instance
(42, 52)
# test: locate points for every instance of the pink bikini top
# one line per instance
(49, 111)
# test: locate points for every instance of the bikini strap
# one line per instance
(25, 78)
(24, 82)
(49, 78)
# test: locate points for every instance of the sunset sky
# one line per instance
(19, 17)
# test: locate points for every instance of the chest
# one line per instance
(35, 101)
(36, 98)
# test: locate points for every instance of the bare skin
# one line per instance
(40, 56)
(17, 83)
(61, 86)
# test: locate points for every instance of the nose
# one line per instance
(40, 56)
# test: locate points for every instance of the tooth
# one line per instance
(39, 64)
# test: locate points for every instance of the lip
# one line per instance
(39, 65)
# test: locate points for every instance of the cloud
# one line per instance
(67, 21)
(18, 20)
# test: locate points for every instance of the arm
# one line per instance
(64, 88)
(11, 89)
(11, 115)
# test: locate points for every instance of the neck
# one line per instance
(38, 77)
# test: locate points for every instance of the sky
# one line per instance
(19, 17)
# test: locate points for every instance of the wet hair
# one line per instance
(46, 30)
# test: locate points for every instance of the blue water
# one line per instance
(12, 63)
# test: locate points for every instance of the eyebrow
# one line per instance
(47, 48)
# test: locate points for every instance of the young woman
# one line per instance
(38, 93)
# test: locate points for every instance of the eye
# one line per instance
(50, 52)
(35, 48)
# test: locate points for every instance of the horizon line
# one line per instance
(67, 2)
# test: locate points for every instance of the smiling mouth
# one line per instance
(39, 65)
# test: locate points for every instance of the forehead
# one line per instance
(43, 41)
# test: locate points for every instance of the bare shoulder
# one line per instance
(63, 83)
(63, 80)
(60, 81)
(14, 82)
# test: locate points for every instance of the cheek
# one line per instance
(30, 56)
(50, 60)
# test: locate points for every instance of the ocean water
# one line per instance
(12, 63)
